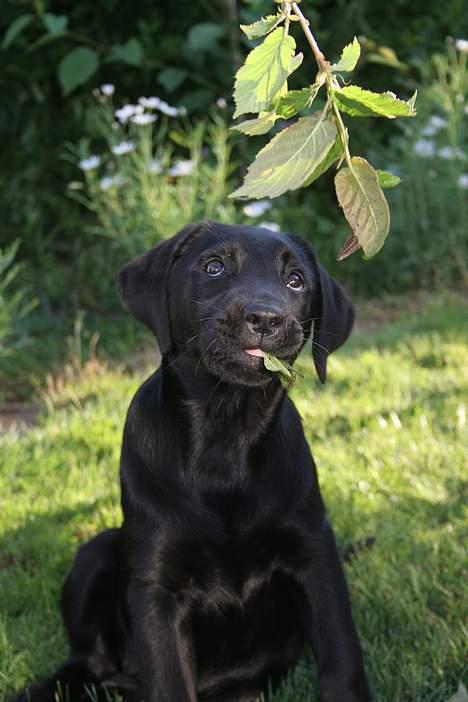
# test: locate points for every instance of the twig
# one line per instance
(322, 62)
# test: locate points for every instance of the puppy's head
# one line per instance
(224, 294)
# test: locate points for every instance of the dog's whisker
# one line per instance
(204, 353)
(319, 346)
(205, 304)
(212, 393)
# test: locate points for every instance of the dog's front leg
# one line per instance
(330, 625)
(163, 647)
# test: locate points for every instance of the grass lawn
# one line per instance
(389, 435)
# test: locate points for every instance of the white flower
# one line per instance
(256, 209)
(424, 148)
(150, 103)
(127, 111)
(181, 168)
(90, 163)
(155, 166)
(221, 102)
(462, 45)
(429, 130)
(111, 182)
(270, 225)
(463, 181)
(107, 89)
(125, 147)
(142, 119)
(434, 125)
(168, 110)
(449, 153)
(438, 122)
(155, 103)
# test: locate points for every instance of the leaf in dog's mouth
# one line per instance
(286, 372)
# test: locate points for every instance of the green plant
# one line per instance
(303, 151)
(15, 303)
(433, 206)
(153, 176)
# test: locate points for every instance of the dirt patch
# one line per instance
(17, 416)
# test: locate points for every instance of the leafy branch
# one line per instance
(302, 151)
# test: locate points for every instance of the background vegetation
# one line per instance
(84, 186)
(74, 228)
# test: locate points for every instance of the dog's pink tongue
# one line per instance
(255, 352)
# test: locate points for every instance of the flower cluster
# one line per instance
(139, 114)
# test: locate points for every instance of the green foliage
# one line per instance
(364, 103)
(349, 58)
(15, 303)
(304, 151)
(76, 67)
(151, 177)
(289, 159)
(382, 443)
(70, 265)
(364, 206)
(265, 72)
(387, 180)
(286, 373)
(15, 29)
(262, 26)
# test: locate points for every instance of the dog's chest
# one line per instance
(240, 597)
(228, 569)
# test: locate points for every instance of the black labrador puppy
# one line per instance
(225, 566)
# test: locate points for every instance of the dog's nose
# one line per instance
(263, 318)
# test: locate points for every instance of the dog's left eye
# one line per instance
(214, 267)
(295, 281)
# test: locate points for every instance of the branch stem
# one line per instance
(322, 63)
(343, 134)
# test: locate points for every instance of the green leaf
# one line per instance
(260, 125)
(203, 37)
(15, 29)
(262, 27)
(386, 56)
(349, 57)
(286, 372)
(331, 157)
(364, 206)
(296, 100)
(130, 53)
(272, 363)
(172, 78)
(55, 24)
(289, 158)
(364, 103)
(76, 67)
(264, 72)
(387, 180)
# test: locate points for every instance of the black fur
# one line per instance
(225, 566)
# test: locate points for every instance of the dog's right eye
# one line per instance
(214, 267)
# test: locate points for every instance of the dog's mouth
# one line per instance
(245, 365)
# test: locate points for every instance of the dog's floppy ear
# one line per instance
(143, 285)
(334, 318)
(331, 310)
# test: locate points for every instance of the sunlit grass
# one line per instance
(389, 435)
